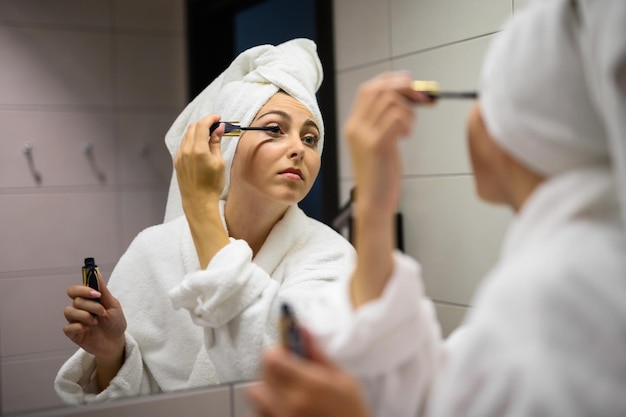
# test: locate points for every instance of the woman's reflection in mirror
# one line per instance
(194, 300)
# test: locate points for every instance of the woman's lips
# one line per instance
(292, 173)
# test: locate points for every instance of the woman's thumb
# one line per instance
(215, 143)
(106, 298)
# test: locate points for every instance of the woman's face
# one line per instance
(279, 167)
(488, 160)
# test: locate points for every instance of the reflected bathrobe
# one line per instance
(189, 327)
(546, 336)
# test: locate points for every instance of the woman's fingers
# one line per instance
(391, 112)
(75, 330)
(200, 168)
(83, 317)
(197, 138)
(215, 141)
(296, 387)
(84, 299)
(83, 291)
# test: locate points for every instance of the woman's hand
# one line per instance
(98, 328)
(200, 167)
(200, 170)
(296, 387)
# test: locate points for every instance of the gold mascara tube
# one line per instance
(90, 275)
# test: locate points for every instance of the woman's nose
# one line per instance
(296, 147)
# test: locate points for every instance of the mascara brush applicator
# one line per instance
(233, 128)
(431, 88)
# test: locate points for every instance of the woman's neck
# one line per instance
(251, 221)
(524, 182)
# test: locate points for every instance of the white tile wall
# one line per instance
(77, 72)
(148, 70)
(143, 157)
(241, 406)
(361, 32)
(58, 154)
(138, 210)
(40, 67)
(347, 83)
(57, 230)
(87, 13)
(39, 329)
(452, 233)
(450, 317)
(162, 15)
(26, 384)
(422, 24)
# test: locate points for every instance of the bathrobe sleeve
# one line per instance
(236, 301)
(393, 345)
(135, 286)
(75, 382)
(155, 334)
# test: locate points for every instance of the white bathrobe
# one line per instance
(229, 310)
(546, 336)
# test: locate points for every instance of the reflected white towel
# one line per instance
(240, 92)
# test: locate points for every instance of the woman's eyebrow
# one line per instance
(311, 123)
(285, 115)
(280, 113)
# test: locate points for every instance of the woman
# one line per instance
(546, 334)
(201, 291)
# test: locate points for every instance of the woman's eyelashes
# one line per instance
(309, 139)
(279, 132)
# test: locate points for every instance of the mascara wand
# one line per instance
(233, 129)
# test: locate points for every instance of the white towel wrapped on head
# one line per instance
(242, 89)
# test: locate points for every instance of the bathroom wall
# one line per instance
(454, 235)
(91, 86)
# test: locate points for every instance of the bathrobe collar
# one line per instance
(288, 234)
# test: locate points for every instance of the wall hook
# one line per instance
(89, 153)
(28, 151)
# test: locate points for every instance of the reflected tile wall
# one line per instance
(76, 75)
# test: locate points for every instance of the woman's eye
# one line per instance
(310, 140)
(276, 129)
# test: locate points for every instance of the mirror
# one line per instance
(110, 77)
(90, 92)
